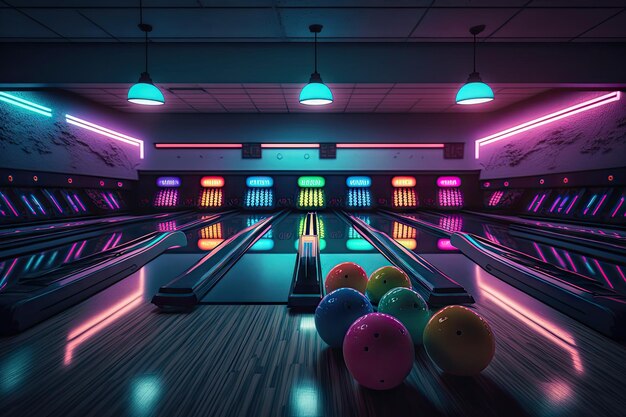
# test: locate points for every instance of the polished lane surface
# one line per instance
(116, 355)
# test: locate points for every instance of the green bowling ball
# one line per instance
(385, 279)
(409, 308)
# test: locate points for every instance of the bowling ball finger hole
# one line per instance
(366, 349)
(384, 281)
(459, 333)
(376, 335)
(345, 276)
(382, 381)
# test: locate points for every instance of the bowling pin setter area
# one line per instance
(312, 209)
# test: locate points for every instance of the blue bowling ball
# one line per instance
(336, 313)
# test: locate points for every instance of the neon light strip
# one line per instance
(4, 281)
(117, 241)
(109, 242)
(558, 258)
(39, 206)
(569, 259)
(621, 273)
(539, 203)
(198, 145)
(69, 199)
(114, 201)
(599, 205)
(36, 266)
(563, 203)
(8, 203)
(25, 104)
(108, 202)
(56, 203)
(556, 201)
(543, 258)
(28, 205)
(301, 145)
(106, 132)
(590, 203)
(290, 145)
(79, 202)
(589, 268)
(533, 202)
(621, 201)
(69, 254)
(391, 145)
(603, 273)
(571, 204)
(552, 117)
(80, 249)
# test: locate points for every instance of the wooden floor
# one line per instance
(117, 356)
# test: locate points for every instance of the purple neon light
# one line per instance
(621, 201)
(117, 241)
(80, 249)
(571, 204)
(533, 202)
(495, 198)
(109, 242)
(106, 132)
(80, 203)
(556, 201)
(114, 201)
(621, 273)
(603, 273)
(6, 275)
(8, 203)
(599, 205)
(539, 203)
(569, 259)
(69, 254)
(54, 201)
(72, 204)
(107, 201)
(25, 200)
(558, 257)
(563, 202)
(543, 258)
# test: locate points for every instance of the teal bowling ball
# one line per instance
(409, 308)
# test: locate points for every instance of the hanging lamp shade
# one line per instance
(474, 91)
(145, 92)
(316, 93)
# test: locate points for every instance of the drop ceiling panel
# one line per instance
(553, 23)
(615, 27)
(351, 23)
(455, 23)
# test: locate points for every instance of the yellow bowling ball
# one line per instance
(459, 341)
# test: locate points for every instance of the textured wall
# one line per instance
(594, 139)
(35, 142)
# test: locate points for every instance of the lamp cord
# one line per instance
(316, 52)
(474, 53)
(145, 32)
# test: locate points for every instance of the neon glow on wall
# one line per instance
(25, 104)
(106, 132)
(549, 118)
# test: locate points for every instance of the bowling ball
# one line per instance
(378, 351)
(409, 308)
(459, 341)
(346, 275)
(385, 279)
(337, 311)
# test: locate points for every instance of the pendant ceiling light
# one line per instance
(474, 91)
(316, 93)
(145, 92)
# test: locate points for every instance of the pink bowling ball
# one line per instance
(378, 351)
